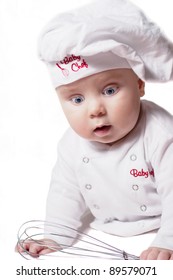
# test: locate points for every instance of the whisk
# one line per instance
(84, 246)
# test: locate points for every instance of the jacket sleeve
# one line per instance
(163, 165)
(65, 204)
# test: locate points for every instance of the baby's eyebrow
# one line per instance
(67, 91)
(108, 76)
(68, 88)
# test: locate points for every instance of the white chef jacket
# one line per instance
(128, 186)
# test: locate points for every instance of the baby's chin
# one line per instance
(114, 140)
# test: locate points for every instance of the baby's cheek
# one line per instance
(81, 128)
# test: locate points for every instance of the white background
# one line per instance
(31, 120)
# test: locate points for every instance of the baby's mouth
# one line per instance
(102, 130)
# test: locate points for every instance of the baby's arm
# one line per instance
(154, 253)
(37, 248)
(162, 246)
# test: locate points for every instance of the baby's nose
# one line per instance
(96, 108)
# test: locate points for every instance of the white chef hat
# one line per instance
(104, 35)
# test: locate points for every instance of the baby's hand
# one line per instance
(37, 248)
(154, 253)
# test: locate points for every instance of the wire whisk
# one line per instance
(81, 243)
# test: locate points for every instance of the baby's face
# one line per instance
(103, 107)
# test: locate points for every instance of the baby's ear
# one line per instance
(141, 85)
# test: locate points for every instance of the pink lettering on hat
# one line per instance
(69, 59)
(73, 63)
(64, 71)
(77, 66)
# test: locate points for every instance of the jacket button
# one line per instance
(109, 220)
(133, 157)
(85, 160)
(96, 206)
(143, 208)
(135, 187)
(88, 186)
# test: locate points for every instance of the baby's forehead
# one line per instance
(113, 75)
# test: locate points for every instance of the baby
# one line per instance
(116, 158)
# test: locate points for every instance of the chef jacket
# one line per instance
(128, 186)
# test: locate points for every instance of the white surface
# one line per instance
(31, 121)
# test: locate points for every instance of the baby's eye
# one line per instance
(110, 91)
(77, 99)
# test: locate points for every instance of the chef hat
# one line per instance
(104, 35)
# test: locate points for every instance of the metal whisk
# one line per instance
(85, 245)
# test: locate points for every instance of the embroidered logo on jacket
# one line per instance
(71, 63)
(142, 173)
